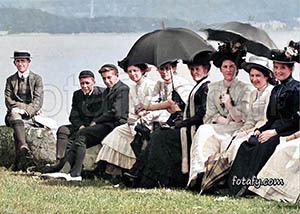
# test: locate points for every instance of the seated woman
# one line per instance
(165, 159)
(283, 105)
(116, 149)
(116, 146)
(227, 106)
(283, 167)
(262, 78)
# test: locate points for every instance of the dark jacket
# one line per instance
(200, 106)
(283, 105)
(85, 108)
(36, 91)
(114, 111)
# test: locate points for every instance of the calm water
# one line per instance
(60, 58)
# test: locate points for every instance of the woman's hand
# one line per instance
(266, 135)
(139, 108)
(173, 108)
(221, 120)
(293, 136)
(226, 99)
(142, 113)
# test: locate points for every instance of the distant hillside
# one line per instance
(206, 11)
(15, 20)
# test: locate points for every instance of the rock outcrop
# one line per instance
(42, 143)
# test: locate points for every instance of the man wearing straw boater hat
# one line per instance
(23, 99)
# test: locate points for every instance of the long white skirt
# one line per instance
(234, 147)
(207, 141)
(283, 164)
(116, 147)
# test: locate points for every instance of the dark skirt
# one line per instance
(251, 157)
(159, 165)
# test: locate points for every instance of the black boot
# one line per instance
(24, 158)
(19, 135)
(100, 169)
(62, 141)
(195, 184)
(79, 148)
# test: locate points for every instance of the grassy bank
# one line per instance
(25, 193)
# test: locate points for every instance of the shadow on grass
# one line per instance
(91, 181)
(106, 185)
(85, 183)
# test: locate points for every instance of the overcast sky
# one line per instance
(208, 11)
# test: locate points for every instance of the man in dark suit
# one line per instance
(23, 99)
(86, 104)
(113, 112)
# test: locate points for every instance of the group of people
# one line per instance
(168, 133)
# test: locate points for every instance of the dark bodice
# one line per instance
(283, 105)
(200, 106)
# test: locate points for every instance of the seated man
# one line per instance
(85, 107)
(112, 113)
(23, 99)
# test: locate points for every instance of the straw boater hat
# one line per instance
(21, 55)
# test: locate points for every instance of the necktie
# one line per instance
(22, 78)
(107, 91)
(166, 92)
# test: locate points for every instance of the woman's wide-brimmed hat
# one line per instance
(259, 63)
(21, 55)
(235, 52)
(124, 65)
(202, 58)
(289, 54)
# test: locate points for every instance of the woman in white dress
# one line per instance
(164, 162)
(227, 106)
(283, 167)
(282, 108)
(116, 147)
(262, 78)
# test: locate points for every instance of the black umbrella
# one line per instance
(255, 39)
(161, 46)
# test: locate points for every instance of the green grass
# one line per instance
(25, 193)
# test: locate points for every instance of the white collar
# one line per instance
(25, 74)
(140, 81)
(90, 92)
